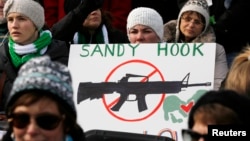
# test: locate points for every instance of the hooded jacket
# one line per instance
(172, 35)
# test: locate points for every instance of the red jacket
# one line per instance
(54, 11)
(119, 11)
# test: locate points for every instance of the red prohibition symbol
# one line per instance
(154, 71)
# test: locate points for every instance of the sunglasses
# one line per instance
(189, 135)
(45, 121)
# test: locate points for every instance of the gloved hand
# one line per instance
(86, 7)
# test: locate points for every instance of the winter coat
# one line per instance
(3, 32)
(70, 24)
(57, 50)
(208, 36)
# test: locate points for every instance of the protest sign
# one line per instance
(141, 88)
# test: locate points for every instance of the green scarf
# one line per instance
(32, 50)
(99, 38)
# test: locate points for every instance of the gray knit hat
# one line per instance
(41, 73)
(199, 6)
(30, 8)
(148, 17)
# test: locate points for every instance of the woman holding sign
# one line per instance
(192, 26)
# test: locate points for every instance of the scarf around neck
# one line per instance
(22, 53)
(101, 37)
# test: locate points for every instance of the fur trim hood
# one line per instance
(170, 33)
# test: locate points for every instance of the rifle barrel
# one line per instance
(92, 89)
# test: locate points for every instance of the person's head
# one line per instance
(25, 18)
(2, 18)
(222, 107)
(40, 105)
(94, 20)
(144, 25)
(193, 20)
(238, 77)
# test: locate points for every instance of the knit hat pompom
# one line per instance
(29, 8)
(148, 17)
(240, 104)
(199, 6)
(41, 73)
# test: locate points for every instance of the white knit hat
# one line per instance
(30, 8)
(148, 17)
(200, 6)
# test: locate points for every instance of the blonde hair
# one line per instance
(238, 78)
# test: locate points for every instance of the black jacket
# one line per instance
(66, 28)
(57, 50)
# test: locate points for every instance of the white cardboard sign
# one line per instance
(141, 88)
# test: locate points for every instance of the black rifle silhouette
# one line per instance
(140, 89)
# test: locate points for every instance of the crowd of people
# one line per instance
(34, 42)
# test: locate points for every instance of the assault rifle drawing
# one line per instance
(125, 88)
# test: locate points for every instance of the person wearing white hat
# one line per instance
(144, 25)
